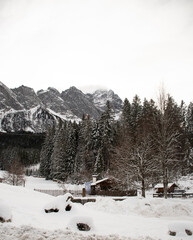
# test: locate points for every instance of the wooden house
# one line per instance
(172, 187)
(109, 186)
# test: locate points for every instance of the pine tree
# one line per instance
(59, 154)
(106, 129)
(126, 114)
(46, 153)
(190, 123)
(84, 161)
(99, 166)
(136, 111)
(71, 148)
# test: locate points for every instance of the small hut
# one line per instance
(172, 187)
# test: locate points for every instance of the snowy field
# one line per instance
(132, 219)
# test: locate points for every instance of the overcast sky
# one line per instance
(129, 46)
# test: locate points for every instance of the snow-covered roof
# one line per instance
(99, 181)
(160, 185)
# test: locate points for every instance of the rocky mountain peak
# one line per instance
(54, 90)
(27, 97)
(100, 97)
(71, 91)
(79, 103)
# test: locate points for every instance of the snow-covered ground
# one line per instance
(132, 219)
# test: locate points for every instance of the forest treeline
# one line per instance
(149, 143)
(23, 147)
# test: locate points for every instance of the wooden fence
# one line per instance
(174, 195)
(57, 192)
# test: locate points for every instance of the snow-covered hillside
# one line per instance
(133, 219)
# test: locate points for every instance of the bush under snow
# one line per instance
(59, 204)
(181, 229)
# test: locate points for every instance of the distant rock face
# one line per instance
(79, 103)
(51, 99)
(26, 97)
(36, 120)
(100, 97)
(21, 109)
(8, 100)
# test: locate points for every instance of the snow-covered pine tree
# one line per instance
(59, 154)
(136, 111)
(126, 114)
(99, 166)
(185, 146)
(190, 123)
(71, 147)
(104, 137)
(46, 153)
(84, 162)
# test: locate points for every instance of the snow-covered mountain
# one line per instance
(100, 97)
(21, 109)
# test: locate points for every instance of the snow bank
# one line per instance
(29, 233)
(5, 212)
(145, 207)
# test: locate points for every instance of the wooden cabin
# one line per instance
(172, 187)
(109, 187)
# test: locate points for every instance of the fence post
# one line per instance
(83, 192)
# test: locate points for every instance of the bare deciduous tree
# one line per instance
(142, 163)
(166, 137)
(15, 175)
(135, 162)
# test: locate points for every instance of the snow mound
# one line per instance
(5, 212)
(76, 222)
(181, 229)
(59, 204)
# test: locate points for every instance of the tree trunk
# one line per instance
(165, 182)
(143, 188)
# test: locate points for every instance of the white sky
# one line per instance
(129, 46)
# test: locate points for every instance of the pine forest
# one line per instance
(149, 143)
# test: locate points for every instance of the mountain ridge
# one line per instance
(22, 108)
